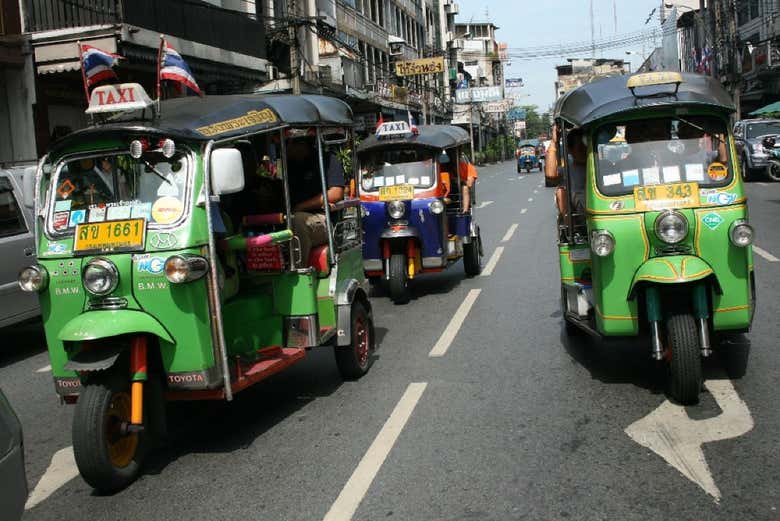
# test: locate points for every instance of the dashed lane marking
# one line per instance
(483, 204)
(530, 199)
(509, 233)
(61, 470)
(765, 254)
(451, 331)
(523, 211)
(44, 369)
(491, 265)
(536, 191)
(356, 488)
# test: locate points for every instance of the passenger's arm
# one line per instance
(551, 157)
(335, 194)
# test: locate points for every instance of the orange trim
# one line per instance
(702, 273)
(137, 367)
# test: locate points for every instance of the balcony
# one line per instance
(193, 20)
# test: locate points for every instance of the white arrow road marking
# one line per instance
(44, 369)
(355, 490)
(446, 338)
(670, 433)
(483, 204)
(61, 470)
(509, 233)
(765, 254)
(523, 211)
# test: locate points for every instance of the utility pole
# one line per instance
(292, 33)
(471, 131)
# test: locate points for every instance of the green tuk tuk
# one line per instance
(169, 267)
(653, 234)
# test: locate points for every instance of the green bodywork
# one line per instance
(639, 258)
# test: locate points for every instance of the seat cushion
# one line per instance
(318, 258)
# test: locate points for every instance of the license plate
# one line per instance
(396, 193)
(110, 236)
(660, 197)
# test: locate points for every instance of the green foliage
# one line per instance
(536, 123)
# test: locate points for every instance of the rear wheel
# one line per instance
(399, 281)
(472, 256)
(108, 457)
(354, 360)
(685, 377)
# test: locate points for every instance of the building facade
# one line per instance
(580, 71)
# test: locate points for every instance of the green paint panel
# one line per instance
(671, 269)
(574, 262)
(251, 323)
(110, 323)
(294, 293)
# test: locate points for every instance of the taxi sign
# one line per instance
(648, 79)
(118, 98)
(393, 129)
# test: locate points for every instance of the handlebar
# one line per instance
(238, 242)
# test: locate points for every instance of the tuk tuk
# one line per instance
(656, 242)
(169, 266)
(528, 156)
(417, 207)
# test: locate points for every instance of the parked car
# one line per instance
(748, 134)
(13, 481)
(17, 247)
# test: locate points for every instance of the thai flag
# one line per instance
(97, 64)
(174, 68)
(412, 122)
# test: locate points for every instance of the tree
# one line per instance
(536, 123)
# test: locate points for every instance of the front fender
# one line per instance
(403, 233)
(103, 324)
(677, 269)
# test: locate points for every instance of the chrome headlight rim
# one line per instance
(602, 238)
(112, 275)
(37, 278)
(671, 214)
(436, 206)
(396, 209)
(741, 224)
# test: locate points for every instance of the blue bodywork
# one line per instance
(424, 225)
(527, 161)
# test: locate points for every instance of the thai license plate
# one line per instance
(396, 193)
(110, 236)
(674, 195)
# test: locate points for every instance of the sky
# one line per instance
(525, 23)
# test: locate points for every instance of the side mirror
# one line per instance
(227, 171)
(28, 187)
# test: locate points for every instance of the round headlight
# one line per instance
(100, 277)
(396, 209)
(168, 148)
(671, 227)
(136, 148)
(436, 206)
(33, 278)
(602, 243)
(741, 234)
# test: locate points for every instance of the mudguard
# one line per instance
(677, 269)
(104, 324)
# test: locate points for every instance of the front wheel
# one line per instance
(685, 377)
(773, 170)
(108, 457)
(354, 360)
(399, 281)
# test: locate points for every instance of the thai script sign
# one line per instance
(479, 94)
(421, 66)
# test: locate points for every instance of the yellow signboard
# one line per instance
(421, 66)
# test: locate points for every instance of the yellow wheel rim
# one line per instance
(121, 448)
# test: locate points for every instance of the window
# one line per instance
(11, 222)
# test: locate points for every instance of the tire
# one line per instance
(685, 375)
(354, 360)
(107, 460)
(472, 257)
(745, 171)
(398, 284)
(773, 171)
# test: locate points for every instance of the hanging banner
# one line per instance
(516, 114)
(497, 107)
(421, 66)
(479, 94)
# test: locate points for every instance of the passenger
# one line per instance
(578, 156)
(468, 177)
(306, 194)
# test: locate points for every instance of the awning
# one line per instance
(769, 109)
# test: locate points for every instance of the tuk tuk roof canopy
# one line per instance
(609, 96)
(224, 117)
(432, 136)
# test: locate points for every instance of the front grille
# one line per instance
(674, 249)
(108, 303)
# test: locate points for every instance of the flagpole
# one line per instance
(83, 74)
(159, 64)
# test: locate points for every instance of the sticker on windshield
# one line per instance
(400, 179)
(389, 181)
(651, 176)
(141, 211)
(66, 188)
(425, 180)
(77, 217)
(672, 174)
(62, 206)
(60, 220)
(717, 171)
(97, 214)
(379, 181)
(612, 179)
(414, 180)
(118, 212)
(721, 198)
(631, 178)
(694, 172)
(166, 210)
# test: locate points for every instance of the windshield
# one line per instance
(389, 167)
(763, 128)
(661, 151)
(114, 187)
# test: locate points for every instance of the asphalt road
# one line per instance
(512, 421)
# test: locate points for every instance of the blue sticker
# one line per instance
(154, 265)
(62, 206)
(631, 178)
(77, 217)
(56, 247)
(721, 198)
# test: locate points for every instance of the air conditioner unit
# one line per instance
(272, 71)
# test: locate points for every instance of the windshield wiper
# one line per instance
(159, 174)
(697, 127)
